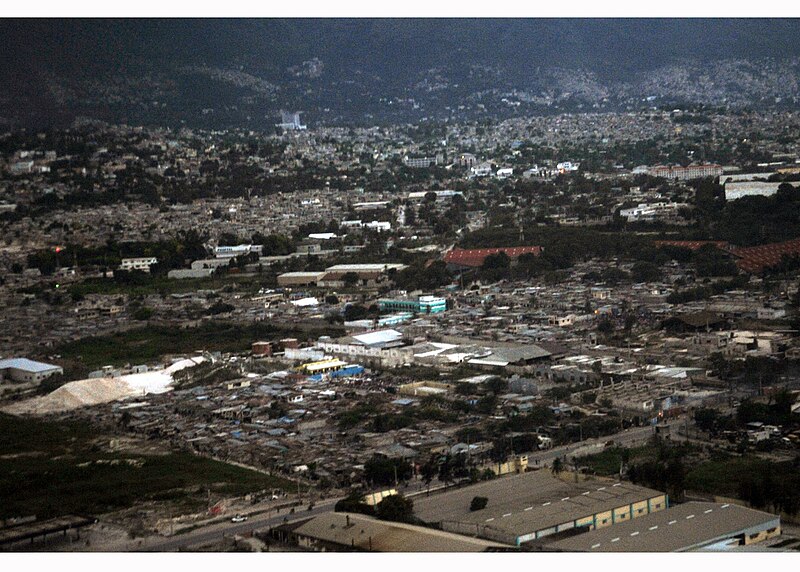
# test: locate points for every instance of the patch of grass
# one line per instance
(764, 484)
(722, 476)
(22, 435)
(351, 417)
(151, 342)
(607, 462)
(54, 468)
(161, 285)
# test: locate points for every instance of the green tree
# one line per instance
(142, 313)
(706, 418)
(396, 508)
(382, 471)
(711, 261)
(446, 469)
(350, 279)
(605, 326)
(355, 312)
(478, 503)
(486, 404)
(497, 385)
(646, 272)
(411, 216)
(354, 502)
(428, 471)
(496, 267)
(613, 276)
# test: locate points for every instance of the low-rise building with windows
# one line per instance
(421, 305)
(536, 504)
(24, 370)
(142, 263)
(687, 527)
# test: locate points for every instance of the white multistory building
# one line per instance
(143, 263)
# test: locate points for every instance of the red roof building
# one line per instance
(473, 258)
(755, 259)
(692, 244)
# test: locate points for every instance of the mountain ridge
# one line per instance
(353, 67)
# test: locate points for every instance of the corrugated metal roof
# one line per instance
(379, 337)
(680, 528)
(529, 502)
(302, 275)
(377, 267)
(691, 244)
(475, 257)
(757, 258)
(26, 364)
(367, 533)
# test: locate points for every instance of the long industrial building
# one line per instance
(460, 258)
(337, 531)
(682, 528)
(536, 504)
(685, 173)
(333, 276)
(24, 370)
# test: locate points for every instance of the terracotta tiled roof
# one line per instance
(692, 244)
(475, 257)
(757, 258)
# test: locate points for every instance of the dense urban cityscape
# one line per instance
(573, 331)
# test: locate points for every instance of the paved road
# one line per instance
(216, 532)
(628, 437)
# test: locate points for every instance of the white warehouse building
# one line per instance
(24, 370)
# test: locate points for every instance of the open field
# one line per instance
(735, 475)
(763, 483)
(56, 468)
(607, 462)
(150, 342)
(164, 285)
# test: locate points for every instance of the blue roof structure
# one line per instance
(344, 372)
(349, 370)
